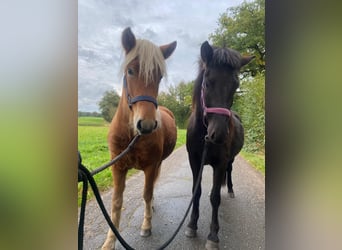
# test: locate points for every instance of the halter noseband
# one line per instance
(214, 110)
(139, 98)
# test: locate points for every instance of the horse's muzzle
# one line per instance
(146, 126)
(216, 137)
(214, 140)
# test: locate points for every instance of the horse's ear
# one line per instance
(168, 49)
(246, 59)
(128, 40)
(206, 52)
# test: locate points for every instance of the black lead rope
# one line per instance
(198, 181)
(96, 192)
(84, 175)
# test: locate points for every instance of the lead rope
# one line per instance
(84, 175)
(198, 181)
(103, 208)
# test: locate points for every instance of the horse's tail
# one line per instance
(224, 180)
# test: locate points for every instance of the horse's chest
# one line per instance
(217, 154)
(140, 157)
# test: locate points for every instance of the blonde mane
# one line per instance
(150, 58)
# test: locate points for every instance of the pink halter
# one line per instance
(215, 110)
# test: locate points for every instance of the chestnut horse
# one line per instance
(139, 113)
(213, 125)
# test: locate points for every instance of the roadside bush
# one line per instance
(249, 103)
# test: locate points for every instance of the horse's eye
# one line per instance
(130, 71)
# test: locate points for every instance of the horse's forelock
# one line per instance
(150, 59)
(226, 56)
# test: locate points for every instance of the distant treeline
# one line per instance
(94, 114)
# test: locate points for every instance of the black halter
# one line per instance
(139, 98)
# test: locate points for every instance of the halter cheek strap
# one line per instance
(213, 110)
(138, 98)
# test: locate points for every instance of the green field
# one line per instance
(92, 143)
(92, 121)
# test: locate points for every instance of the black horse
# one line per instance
(213, 125)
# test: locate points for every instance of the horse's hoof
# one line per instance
(211, 245)
(231, 194)
(189, 232)
(107, 248)
(108, 245)
(145, 232)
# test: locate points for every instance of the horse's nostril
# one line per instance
(212, 136)
(139, 125)
(146, 126)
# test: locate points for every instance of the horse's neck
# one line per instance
(198, 115)
(123, 113)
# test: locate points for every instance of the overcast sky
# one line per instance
(101, 22)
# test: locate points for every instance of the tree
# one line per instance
(109, 104)
(178, 100)
(85, 113)
(249, 103)
(243, 28)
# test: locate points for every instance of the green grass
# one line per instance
(256, 160)
(92, 143)
(92, 121)
(181, 136)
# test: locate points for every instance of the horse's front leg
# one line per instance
(119, 178)
(191, 229)
(215, 200)
(151, 174)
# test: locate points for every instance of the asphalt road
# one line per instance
(242, 219)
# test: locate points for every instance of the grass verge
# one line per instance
(256, 160)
